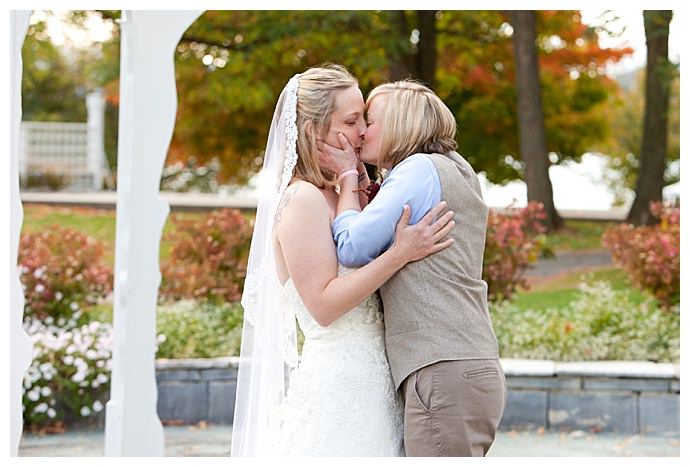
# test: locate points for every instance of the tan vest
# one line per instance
(436, 308)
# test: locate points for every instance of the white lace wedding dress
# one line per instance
(341, 400)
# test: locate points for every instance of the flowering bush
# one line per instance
(62, 271)
(208, 258)
(600, 324)
(513, 241)
(650, 254)
(69, 376)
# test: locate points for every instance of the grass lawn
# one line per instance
(578, 235)
(562, 289)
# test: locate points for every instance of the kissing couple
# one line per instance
(399, 355)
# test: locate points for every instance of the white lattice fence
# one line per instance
(73, 152)
(54, 148)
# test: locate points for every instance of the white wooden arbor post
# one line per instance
(147, 114)
(148, 102)
(20, 345)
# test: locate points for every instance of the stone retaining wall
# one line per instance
(622, 397)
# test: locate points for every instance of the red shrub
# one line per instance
(513, 241)
(62, 270)
(650, 254)
(208, 259)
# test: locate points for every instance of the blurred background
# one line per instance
(583, 243)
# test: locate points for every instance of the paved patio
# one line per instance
(205, 440)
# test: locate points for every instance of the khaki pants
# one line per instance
(453, 408)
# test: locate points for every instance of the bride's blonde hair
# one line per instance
(318, 89)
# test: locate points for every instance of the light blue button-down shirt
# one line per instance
(362, 236)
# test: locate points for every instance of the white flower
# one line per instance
(97, 406)
(74, 306)
(78, 377)
(33, 374)
(40, 408)
(58, 296)
(71, 349)
(38, 273)
(45, 391)
(91, 354)
(68, 359)
(49, 320)
(33, 395)
(85, 411)
(102, 378)
(51, 413)
(40, 288)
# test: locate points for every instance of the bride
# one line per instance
(339, 398)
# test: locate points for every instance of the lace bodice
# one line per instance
(367, 316)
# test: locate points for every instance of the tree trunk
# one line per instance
(533, 149)
(406, 60)
(426, 49)
(650, 178)
(400, 57)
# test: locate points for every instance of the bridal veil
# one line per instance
(269, 347)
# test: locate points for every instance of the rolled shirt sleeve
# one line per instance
(362, 236)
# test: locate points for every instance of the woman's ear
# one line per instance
(309, 129)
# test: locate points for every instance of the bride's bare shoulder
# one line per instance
(298, 198)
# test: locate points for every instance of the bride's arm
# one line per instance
(304, 233)
(363, 182)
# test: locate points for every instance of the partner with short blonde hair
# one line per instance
(440, 344)
(414, 121)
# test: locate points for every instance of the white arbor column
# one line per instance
(95, 123)
(148, 103)
(20, 344)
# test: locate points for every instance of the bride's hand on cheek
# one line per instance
(337, 159)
